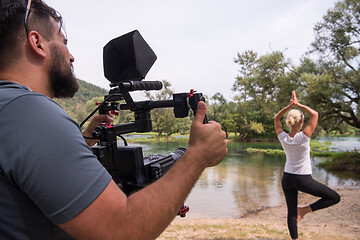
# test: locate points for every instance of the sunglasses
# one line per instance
(27, 16)
(8, 3)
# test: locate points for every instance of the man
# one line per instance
(51, 185)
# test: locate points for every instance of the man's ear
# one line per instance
(37, 43)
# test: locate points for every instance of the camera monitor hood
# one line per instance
(127, 58)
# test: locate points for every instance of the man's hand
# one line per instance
(207, 140)
(96, 121)
(113, 215)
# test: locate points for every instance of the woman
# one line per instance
(297, 172)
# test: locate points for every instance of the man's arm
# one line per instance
(146, 213)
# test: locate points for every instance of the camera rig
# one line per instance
(127, 59)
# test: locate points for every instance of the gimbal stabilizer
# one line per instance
(127, 59)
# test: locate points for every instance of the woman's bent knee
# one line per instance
(337, 198)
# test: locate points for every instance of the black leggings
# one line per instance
(292, 183)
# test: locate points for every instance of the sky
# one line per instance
(195, 41)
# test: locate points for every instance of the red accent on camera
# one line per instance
(191, 94)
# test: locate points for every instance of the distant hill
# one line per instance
(75, 106)
(88, 91)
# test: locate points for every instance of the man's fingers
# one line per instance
(200, 112)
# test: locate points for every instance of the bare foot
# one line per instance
(301, 211)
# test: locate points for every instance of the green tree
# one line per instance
(262, 87)
(218, 107)
(163, 119)
(222, 112)
(228, 123)
(337, 43)
(330, 84)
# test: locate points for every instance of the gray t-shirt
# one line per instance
(48, 174)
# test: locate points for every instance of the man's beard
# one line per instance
(62, 79)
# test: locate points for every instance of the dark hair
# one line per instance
(12, 28)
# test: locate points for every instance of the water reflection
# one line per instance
(244, 183)
(341, 143)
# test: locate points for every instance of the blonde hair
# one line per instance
(294, 118)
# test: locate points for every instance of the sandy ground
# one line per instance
(341, 221)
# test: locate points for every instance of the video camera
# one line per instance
(127, 59)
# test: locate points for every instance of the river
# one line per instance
(244, 183)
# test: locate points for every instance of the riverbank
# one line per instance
(341, 222)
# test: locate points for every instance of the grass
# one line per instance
(318, 149)
(272, 152)
(155, 138)
(342, 161)
(318, 146)
(335, 161)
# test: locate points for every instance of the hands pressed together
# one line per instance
(293, 100)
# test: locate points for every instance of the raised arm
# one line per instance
(278, 116)
(311, 125)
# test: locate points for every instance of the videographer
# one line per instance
(51, 184)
